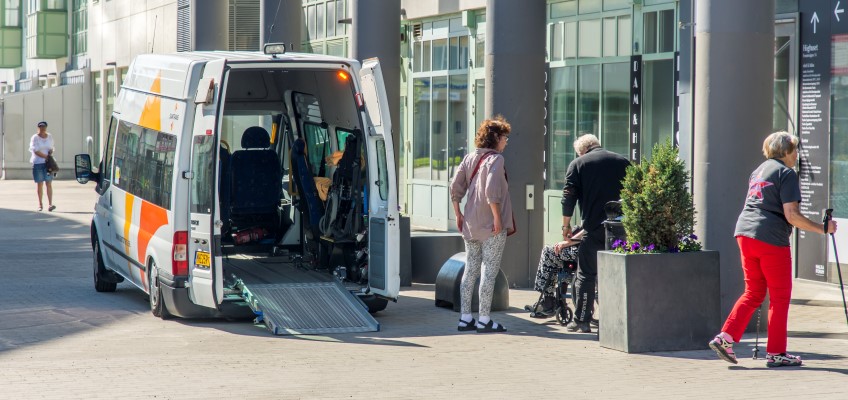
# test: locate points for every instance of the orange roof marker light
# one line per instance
(343, 76)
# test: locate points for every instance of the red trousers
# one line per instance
(769, 267)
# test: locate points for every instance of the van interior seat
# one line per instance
(256, 177)
(310, 203)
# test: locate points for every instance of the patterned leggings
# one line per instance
(487, 253)
(550, 264)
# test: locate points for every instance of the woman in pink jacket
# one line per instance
(487, 219)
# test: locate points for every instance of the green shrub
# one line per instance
(657, 206)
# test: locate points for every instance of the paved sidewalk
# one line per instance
(59, 339)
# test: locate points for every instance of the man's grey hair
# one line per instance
(779, 144)
(585, 143)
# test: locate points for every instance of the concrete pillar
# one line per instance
(734, 64)
(515, 88)
(210, 25)
(375, 32)
(281, 22)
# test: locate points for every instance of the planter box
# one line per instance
(658, 302)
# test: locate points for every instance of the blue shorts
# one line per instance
(39, 173)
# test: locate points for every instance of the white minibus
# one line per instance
(236, 183)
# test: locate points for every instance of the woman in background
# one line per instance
(762, 232)
(487, 219)
(41, 145)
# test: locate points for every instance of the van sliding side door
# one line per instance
(383, 223)
(204, 237)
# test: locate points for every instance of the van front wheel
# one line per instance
(100, 284)
(157, 306)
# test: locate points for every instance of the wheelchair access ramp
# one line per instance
(292, 301)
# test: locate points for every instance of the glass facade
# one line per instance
(325, 28)
(443, 118)
(11, 34)
(47, 29)
(80, 28)
(589, 46)
(589, 43)
(839, 127)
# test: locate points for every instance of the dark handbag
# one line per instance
(52, 165)
(474, 173)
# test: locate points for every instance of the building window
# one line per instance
(12, 13)
(46, 5)
(615, 107)
(440, 123)
(659, 31)
(322, 31)
(610, 36)
(244, 25)
(562, 102)
(80, 27)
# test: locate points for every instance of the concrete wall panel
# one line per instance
(63, 108)
(422, 9)
(123, 42)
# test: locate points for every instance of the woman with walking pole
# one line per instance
(762, 232)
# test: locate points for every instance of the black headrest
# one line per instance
(255, 137)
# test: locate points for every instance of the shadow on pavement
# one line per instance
(819, 335)
(816, 303)
(413, 316)
(46, 287)
(806, 356)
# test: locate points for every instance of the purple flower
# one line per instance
(617, 243)
(693, 237)
(650, 247)
(636, 246)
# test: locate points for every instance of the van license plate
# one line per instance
(202, 259)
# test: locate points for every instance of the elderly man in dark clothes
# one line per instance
(593, 179)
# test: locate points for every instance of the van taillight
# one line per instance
(179, 254)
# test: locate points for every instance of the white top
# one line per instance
(37, 143)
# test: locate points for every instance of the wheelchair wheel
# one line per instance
(564, 315)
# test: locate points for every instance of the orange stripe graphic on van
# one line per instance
(152, 218)
(151, 115)
(128, 215)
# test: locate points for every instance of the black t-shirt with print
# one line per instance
(770, 186)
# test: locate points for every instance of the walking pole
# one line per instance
(757, 342)
(827, 217)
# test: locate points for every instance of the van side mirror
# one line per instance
(82, 168)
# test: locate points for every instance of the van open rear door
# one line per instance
(383, 222)
(204, 236)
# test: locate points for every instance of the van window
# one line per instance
(307, 108)
(341, 137)
(203, 181)
(317, 146)
(107, 154)
(144, 163)
(381, 169)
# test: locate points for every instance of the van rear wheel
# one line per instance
(374, 303)
(157, 305)
(100, 284)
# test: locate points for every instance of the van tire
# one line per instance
(157, 304)
(374, 303)
(101, 284)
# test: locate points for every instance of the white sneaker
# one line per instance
(724, 348)
(783, 360)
